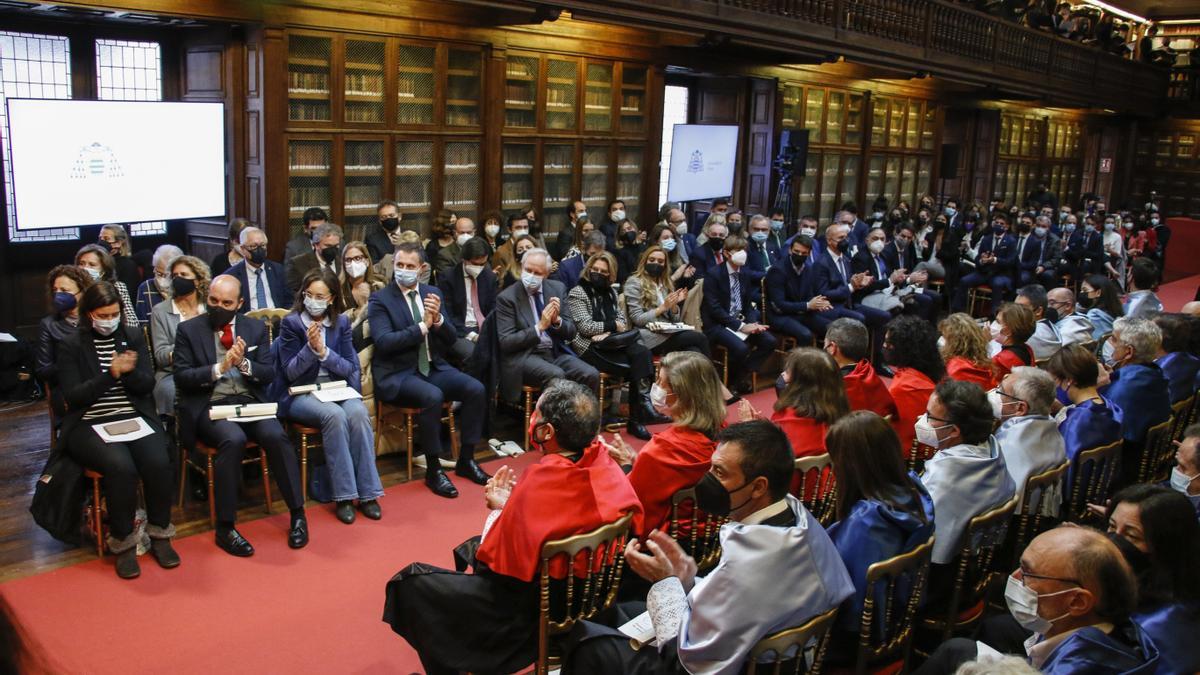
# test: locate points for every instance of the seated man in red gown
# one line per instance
(486, 621)
(847, 341)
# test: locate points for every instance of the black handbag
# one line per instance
(58, 498)
(616, 341)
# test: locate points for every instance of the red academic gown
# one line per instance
(866, 391)
(1011, 357)
(962, 369)
(673, 460)
(807, 437)
(911, 391)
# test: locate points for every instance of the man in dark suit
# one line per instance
(222, 358)
(848, 216)
(379, 239)
(881, 259)
(412, 335)
(313, 218)
(262, 280)
(1085, 250)
(327, 244)
(836, 281)
(761, 251)
(469, 295)
(792, 304)
(994, 265)
(711, 253)
(534, 331)
(1029, 252)
(449, 256)
(570, 269)
(730, 316)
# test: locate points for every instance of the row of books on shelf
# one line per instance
(309, 155)
(415, 114)
(631, 102)
(303, 80)
(516, 192)
(365, 83)
(522, 68)
(460, 192)
(461, 118)
(597, 99)
(309, 111)
(363, 154)
(559, 97)
(369, 112)
(416, 85)
(518, 92)
(362, 194)
(413, 193)
(307, 196)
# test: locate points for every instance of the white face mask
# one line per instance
(941, 342)
(521, 232)
(491, 230)
(463, 239)
(927, 433)
(473, 270)
(996, 399)
(356, 269)
(618, 215)
(658, 398)
(876, 246)
(738, 258)
(1023, 604)
(106, 326)
(997, 335)
(93, 273)
(681, 229)
(406, 278)
(315, 308)
(668, 245)
(1180, 481)
(532, 282)
(163, 284)
(808, 231)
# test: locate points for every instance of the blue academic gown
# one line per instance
(875, 531)
(1173, 629)
(1140, 393)
(1091, 650)
(1180, 369)
(1089, 425)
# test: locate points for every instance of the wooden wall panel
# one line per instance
(761, 133)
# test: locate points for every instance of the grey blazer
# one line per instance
(516, 328)
(641, 314)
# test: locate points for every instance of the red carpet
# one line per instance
(314, 610)
(1176, 294)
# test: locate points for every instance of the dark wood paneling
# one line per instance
(203, 75)
(761, 134)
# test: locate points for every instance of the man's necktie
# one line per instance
(842, 268)
(423, 351)
(1021, 247)
(720, 258)
(879, 264)
(762, 248)
(475, 303)
(735, 293)
(227, 336)
(260, 290)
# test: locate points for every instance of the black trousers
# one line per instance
(229, 438)
(122, 464)
(633, 362)
(683, 341)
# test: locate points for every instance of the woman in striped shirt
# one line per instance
(105, 376)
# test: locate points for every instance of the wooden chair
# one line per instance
(702, 539)
(784, 343)
(984, 535)
(609, 383)
(721, 356)
(306, 434)
(979, 296)
(209, 453)
(1041, 491)
(603, 550)
(1158, 454)
(1100, 344)
(1091, 478)
(918, 455)
(793, 641)
(691, 306)
(1181, 415)
(97, 520)
(149, 345)
(384, 410)
(818, 486)
(270, 316)
(886, 632)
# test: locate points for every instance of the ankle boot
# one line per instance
(633, 423)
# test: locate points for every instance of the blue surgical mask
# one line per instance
(758, 237)
(668, 245)
(776, 225)
(531, 281)
(406, 278)
(1069, 228)
(950, 211)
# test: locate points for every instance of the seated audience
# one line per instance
(628, 249)
(359, 281)
(1178, 365)
(569, 242)
(224, 358)
(507, 256)
(263, 282)
(232, 254)
(491, 232)
(1141, 301)
(1028, 437)
(379, 240)
(326, 244)
(892, 288)
(882, 511)
(487, 621)
(1073, 326)
(115, 240)
(963, 346)
(314, 347)
(450, 256)
(189, 289)
(105, 376)
(1045, 339)
(442, 234)
(761, 250)
(469, 289)
(651, 297)
(846, 340)
(97, 263)
(910, 349)
(710, 253)
(731, 319)
(666, 236)
(1099, 296)
(535, 330)
(1013, 326)
(1185, 476)
(158, 287)
(1137, 387)
(813, 398)
(966, 476)
(606, 340)
(1030, 251)
(510, 271)
(412, 336)
(995, 263)
(1089, 420)
(312, 218)
(793, 308)
(570, 271)
(835, 282)
(709, 624)
(65, 285)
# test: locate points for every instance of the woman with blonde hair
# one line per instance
(358, 281)
(511, 274)
(963, 346)
(190, 278)
(651, 297)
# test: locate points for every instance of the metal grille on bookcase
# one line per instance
(516, 190)
(414, 183)
(460, 187)
(629, 182)
(463, 81)
(562, 90)
(363, 81)
(520, 91)
(363, 186)
(595, 174)
(558, 168)
(415, 90)
(309, 78)
(633, 99)
(598, 97)
(308, 179)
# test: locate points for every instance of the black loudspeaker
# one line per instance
(949, 167)
(793, 143)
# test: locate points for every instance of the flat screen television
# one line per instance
(703, 159)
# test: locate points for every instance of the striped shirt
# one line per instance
(114, 402)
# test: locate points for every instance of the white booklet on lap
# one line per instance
(327, 392)
(124, 430)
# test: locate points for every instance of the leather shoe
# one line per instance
(127, 564)
(440, 484)
(345, 511)
(233, 543)
(370, 509)
(635, 429)
(298, 534)
(470, 469)
(742, 387)
(164, 553)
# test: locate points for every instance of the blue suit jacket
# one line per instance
(1140, 392)
(863, 261)
(703, 259)
(398, 338)
(276, 281)
(1128, 650)
(1077, 250)
(717, 296)
(568, 273)
(1005, 252)
(1180, 369)
(296, 364)
(895, 260)
(788, 292)
(858, 233)
(756, 268)
(1031, 257)
(829, 282)
(454, 294)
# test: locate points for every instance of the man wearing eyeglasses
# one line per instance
(1028, 437)
(264, 282)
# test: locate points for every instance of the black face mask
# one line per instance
(181, 286)
(218, 316)
(1051, 315)
(843, 246)
(799, 260)
(713, 499)
(654, 269)
(390, 224)
(1086, 301)
(630, 236)
(329, 254)
(716, 244)
(598, 280)
(734, 226)
(258, 256)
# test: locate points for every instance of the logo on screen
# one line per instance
(696, 164)
(96, 161)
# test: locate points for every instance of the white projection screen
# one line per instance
(93, 162)
(703, 158)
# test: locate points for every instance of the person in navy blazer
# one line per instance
(900, 253)
(1029, 252)
(761, 250)
(792, 305)
(224, 358)
(994, 265)
(275, 293)
(1085, 250)
(836, 281)
(724, 314)
(410, 369)
(711, 253)
(315, 345)
(455, 286)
